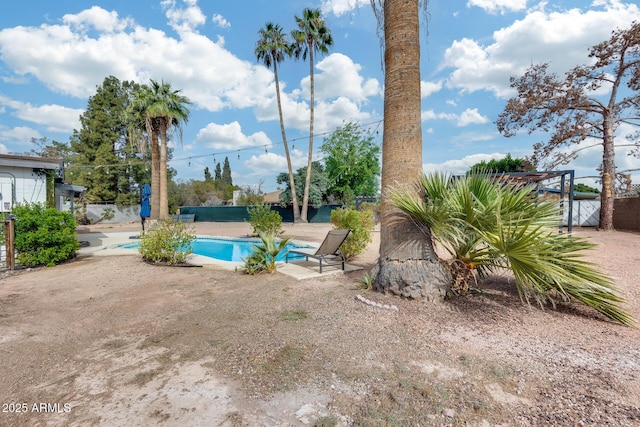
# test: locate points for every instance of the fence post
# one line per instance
(9, 235)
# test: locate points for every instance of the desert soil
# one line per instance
(113, 341)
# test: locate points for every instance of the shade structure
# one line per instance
(145, 202)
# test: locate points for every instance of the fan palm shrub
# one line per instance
(487, 225)
(263, 257)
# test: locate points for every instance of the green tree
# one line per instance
(218, 173)
(271, 49)
(311, 37)
(506, 164)
(317, 189)
(574, 109)
(487, 226)
(408, 264)
(226, 172)
(101, 156)
(165, 110)
(583, 188)
(352, 163)
(207, 174)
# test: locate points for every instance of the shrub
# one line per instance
(108, 214)
(488, 227)
(263, 219)
(44, 236)
(167, 242)
(263, 257)
(361, 224)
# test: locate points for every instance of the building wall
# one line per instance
(626, 214)
(29, 187)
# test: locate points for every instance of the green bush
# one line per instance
(263, 219)
(44, 236)
(361, 224)
(167, 242)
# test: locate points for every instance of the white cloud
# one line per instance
(471, 116)
(560, 38)
(184, 20)
(339, 76)
(467, 117)
(499, 6)
(429, 88)
(230, 137)
(98, 19)
(55, 118)
(341, 7)
(267, 165)
(20, 135)
(220, 21)
(71, 62)
(460, 166)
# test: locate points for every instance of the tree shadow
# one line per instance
(496, 298)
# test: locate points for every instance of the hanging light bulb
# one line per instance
(238, 154)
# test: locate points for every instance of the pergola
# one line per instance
(536, 177)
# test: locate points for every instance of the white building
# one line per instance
(27, 179)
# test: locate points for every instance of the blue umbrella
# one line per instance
(145, 204)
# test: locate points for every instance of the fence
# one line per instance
(240, 214)
(626, 214)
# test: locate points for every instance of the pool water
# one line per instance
(233, 250)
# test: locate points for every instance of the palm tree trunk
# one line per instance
(408, 265)
(155, 174)
(164, 200)
(307, 182)
(294, 197)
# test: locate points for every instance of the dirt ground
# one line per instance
(112, 341)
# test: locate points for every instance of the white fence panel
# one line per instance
(586, 213)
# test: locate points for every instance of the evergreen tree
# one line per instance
(218, 173)
(226, 172)
(207, 174)
(101, 155)
(102, 127)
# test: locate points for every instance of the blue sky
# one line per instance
(54, 54)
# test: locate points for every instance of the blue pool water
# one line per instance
(225, 249)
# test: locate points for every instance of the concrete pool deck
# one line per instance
(106, 240)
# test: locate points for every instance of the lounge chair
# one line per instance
(328, 252)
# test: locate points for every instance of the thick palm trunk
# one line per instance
(307, 182)
(155, 175)
(164, 200)
(294, 197)
(408, 265)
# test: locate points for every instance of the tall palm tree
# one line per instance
(142, 123)
(312, 36)
(271, 50)
(165, 110)
(408, 264)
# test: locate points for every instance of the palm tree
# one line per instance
(312, 36)
(165, 110)
(488, 226)
(408, 264)
(271, 49)
(142, 122)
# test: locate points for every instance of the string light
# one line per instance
(146, 163)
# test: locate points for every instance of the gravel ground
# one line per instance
(114, 341)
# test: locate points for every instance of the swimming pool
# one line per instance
(226, 249)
